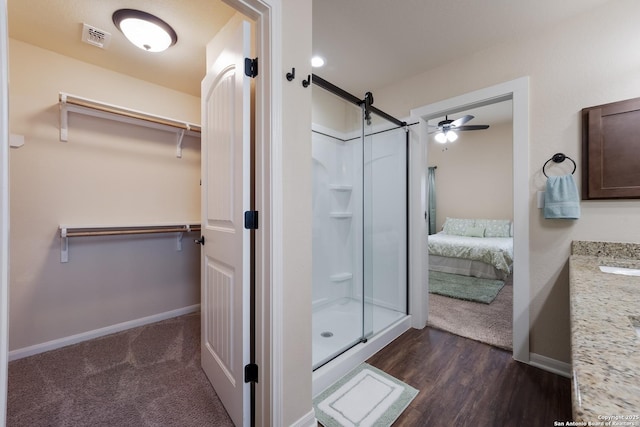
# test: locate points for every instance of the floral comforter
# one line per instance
(497, 251)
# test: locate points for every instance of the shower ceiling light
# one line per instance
(448, 136)
(144, 30)
(317, 61)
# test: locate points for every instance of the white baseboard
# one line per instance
(549, 364)
(308, 420)
(84, 336)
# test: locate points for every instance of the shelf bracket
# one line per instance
(64, 118)
(179, 242)
(180, 236)
(180, 137)
(64, 246)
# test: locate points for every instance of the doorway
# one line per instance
(261, 12)
(471, 179)
(517, 91)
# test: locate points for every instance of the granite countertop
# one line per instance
(605, 348)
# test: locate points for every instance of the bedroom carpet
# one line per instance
(488, 323)
(464, 287)
(146, 376)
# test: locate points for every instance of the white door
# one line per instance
(225, 197)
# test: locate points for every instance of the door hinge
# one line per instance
(251, 220)
(251, 67)
(251, 373)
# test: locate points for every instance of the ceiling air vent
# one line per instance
(95, 36)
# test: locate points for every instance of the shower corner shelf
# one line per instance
(337, 187)
(340, 277)
(340, 215)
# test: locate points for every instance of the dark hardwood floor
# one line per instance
(462, 382)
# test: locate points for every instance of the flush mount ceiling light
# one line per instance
(144, 30)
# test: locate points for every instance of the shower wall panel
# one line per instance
(334, 219)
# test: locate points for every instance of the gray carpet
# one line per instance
(488, 323)
(146, 376)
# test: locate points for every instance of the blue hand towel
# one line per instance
(561, 200)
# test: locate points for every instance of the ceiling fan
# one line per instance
(446, 127)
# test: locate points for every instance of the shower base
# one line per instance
(338, 326)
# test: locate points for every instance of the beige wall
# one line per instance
(585, 61)
(107, 173)
(474, 178)
(296, 178)
(331, 111)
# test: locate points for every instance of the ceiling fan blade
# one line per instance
(472, 127)
(462, 120)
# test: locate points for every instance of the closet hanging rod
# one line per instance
(87, 231)
(68, 99)
(66, 231)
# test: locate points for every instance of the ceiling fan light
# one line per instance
(451, 136)
(441, 137)
(144, 30)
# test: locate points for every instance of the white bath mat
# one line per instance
(365, 396)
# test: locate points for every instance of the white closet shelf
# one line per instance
(76, 104)
(67, 231)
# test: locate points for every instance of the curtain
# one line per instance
(431, 207)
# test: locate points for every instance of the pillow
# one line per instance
(475, 232)
(495, 227)
(457, 226)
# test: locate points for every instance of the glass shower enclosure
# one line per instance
(360, 284)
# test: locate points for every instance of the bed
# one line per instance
(473, 247)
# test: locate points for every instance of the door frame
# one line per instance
(4, 209)
(518, 91)
(267, 16)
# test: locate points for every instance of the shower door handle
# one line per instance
(199, 241)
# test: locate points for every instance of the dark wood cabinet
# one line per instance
(611, 151)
